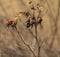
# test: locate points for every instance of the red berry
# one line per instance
(9, 22)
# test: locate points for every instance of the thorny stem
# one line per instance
(37, 39)
(25, 42)
(38, 55)
(35, 36)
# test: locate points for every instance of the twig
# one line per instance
(25, 42)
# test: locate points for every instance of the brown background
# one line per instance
(51, 25)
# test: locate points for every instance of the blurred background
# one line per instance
(10, 42)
